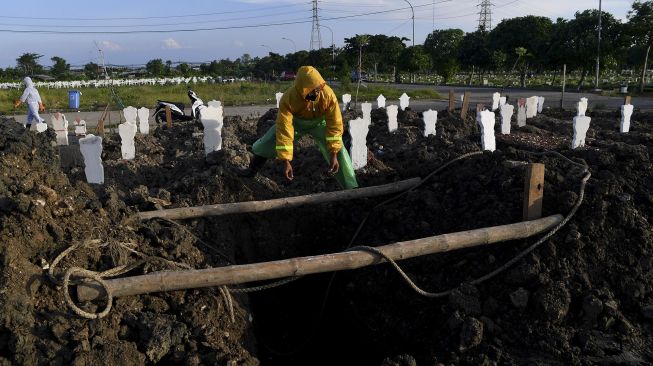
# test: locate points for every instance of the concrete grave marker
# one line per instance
(130, 114)
(486, 121)
(507, 111)
(278, 96)
(212, 119)
(496, 97)
(80, 127)
(127, 132)
(430, 120)
(581, 125)
(392, 111)
(380, 101)
(358, 129)
(367, 112)
(502, 101)
(346, 99)
(540, 104)
(143, 120)
(626, 113)
(217, 103)
(91, 148)
(531, 107)
(60, 126)
(40, 127)
(582, 107)
(521, 112)
(404, 101)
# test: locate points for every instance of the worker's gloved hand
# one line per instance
(287, 170)
(41, 107)
(334, 166)
(17, 103)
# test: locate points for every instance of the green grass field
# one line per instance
(230, 94)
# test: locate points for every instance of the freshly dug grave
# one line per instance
(583, 297)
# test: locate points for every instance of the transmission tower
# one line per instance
(316, 37)
(485, 15)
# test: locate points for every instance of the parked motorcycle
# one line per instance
(177, 109)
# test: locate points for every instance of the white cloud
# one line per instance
(238, 44)
(171, 44)
(109, 45)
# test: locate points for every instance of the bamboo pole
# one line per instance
(230, 275)
(279, 203)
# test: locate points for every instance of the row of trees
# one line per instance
(530, 43)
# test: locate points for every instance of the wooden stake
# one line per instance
(230, 275)
(100, 123)
(465, 109)
(275, 204)
(168, 117)
(480, 107)
(452, 101)
(533, 191)
(627, 99)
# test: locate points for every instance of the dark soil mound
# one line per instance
(583, 297)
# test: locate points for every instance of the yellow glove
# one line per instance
(17, 103)
(41, 107)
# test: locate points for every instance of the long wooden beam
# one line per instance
(279, 203)
(231, 275)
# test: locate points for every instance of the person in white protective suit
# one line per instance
(33, 100)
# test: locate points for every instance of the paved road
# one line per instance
(479, 95)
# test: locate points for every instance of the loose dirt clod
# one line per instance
(584, 297)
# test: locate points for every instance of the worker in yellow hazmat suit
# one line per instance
(309, 106)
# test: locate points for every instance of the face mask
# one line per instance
(312, 96)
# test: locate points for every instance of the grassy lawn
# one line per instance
(230, 94)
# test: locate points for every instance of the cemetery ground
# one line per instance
(584, 296)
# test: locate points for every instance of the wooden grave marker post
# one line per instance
(168, 117)
(533, 191)
(627, 99)
(452, 101)
(464, 110)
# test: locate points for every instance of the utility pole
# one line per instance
(333, 48)
(316, 37)
(598, 52)
(413, 11)
(485, 15)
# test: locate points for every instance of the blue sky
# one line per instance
(199, 46)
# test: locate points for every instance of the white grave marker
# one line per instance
(60, 126)
(486, 121)
(521, 113)
(502, 101)
(80, 127)
(626, 113)
(278, 96)
(130, 114)
(531, 107)
(143, 120)
(540, 104)
(217, 103)
(346, 99)
(404, 101)
(380, 101)
(582, 107)
(392, 111)
(127, 132)
(496, 97)
(507, 111)
(91, 148)
(367, 112)
(358, 129)
(430, 120)
(581, 125)
(212, 120)
(40, 127)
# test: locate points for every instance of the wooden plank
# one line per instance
(628, 99)
(533, 191)
(480, 107)
(465, 109)
(452, 101)
(279, 203)
(301, 266)
(168, 117)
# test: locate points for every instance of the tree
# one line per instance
(640, 24)
(475, 52)
(28, 63)
(414, 59)
(91, 70)
(60, 69)
(530, 32)
(443, 46)
(155, 67)
(184, 69)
